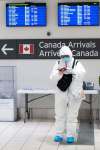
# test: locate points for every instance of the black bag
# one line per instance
(65, 81)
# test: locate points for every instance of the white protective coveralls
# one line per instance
(67, 103)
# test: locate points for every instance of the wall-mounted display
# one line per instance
(78, 14)
(26, 14)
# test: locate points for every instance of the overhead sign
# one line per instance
(48, 48)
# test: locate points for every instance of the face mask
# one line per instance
(66, 59)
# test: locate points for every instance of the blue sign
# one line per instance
(78, 14)
(28, 14)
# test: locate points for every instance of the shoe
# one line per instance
(70, 140)
(58, 138)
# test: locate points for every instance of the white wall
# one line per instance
(35, 73)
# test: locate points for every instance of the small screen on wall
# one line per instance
(26, 14)
(78, 14)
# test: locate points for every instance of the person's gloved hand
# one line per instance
(61, 67)
(82, 95)
(61, 71)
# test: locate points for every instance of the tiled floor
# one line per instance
(38, 134)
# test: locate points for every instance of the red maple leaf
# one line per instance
(26, 48)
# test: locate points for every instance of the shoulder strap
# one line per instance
(76, 62)
(73, 63)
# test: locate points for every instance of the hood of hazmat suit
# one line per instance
(65, 50)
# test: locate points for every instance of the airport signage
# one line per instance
(48, 48)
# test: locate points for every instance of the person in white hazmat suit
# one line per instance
(67, 103)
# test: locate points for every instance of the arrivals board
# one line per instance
(78, 14)
(26, 14)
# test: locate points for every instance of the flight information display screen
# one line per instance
(26, 14)
(78, 14)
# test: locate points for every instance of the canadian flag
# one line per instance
(26, 49)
